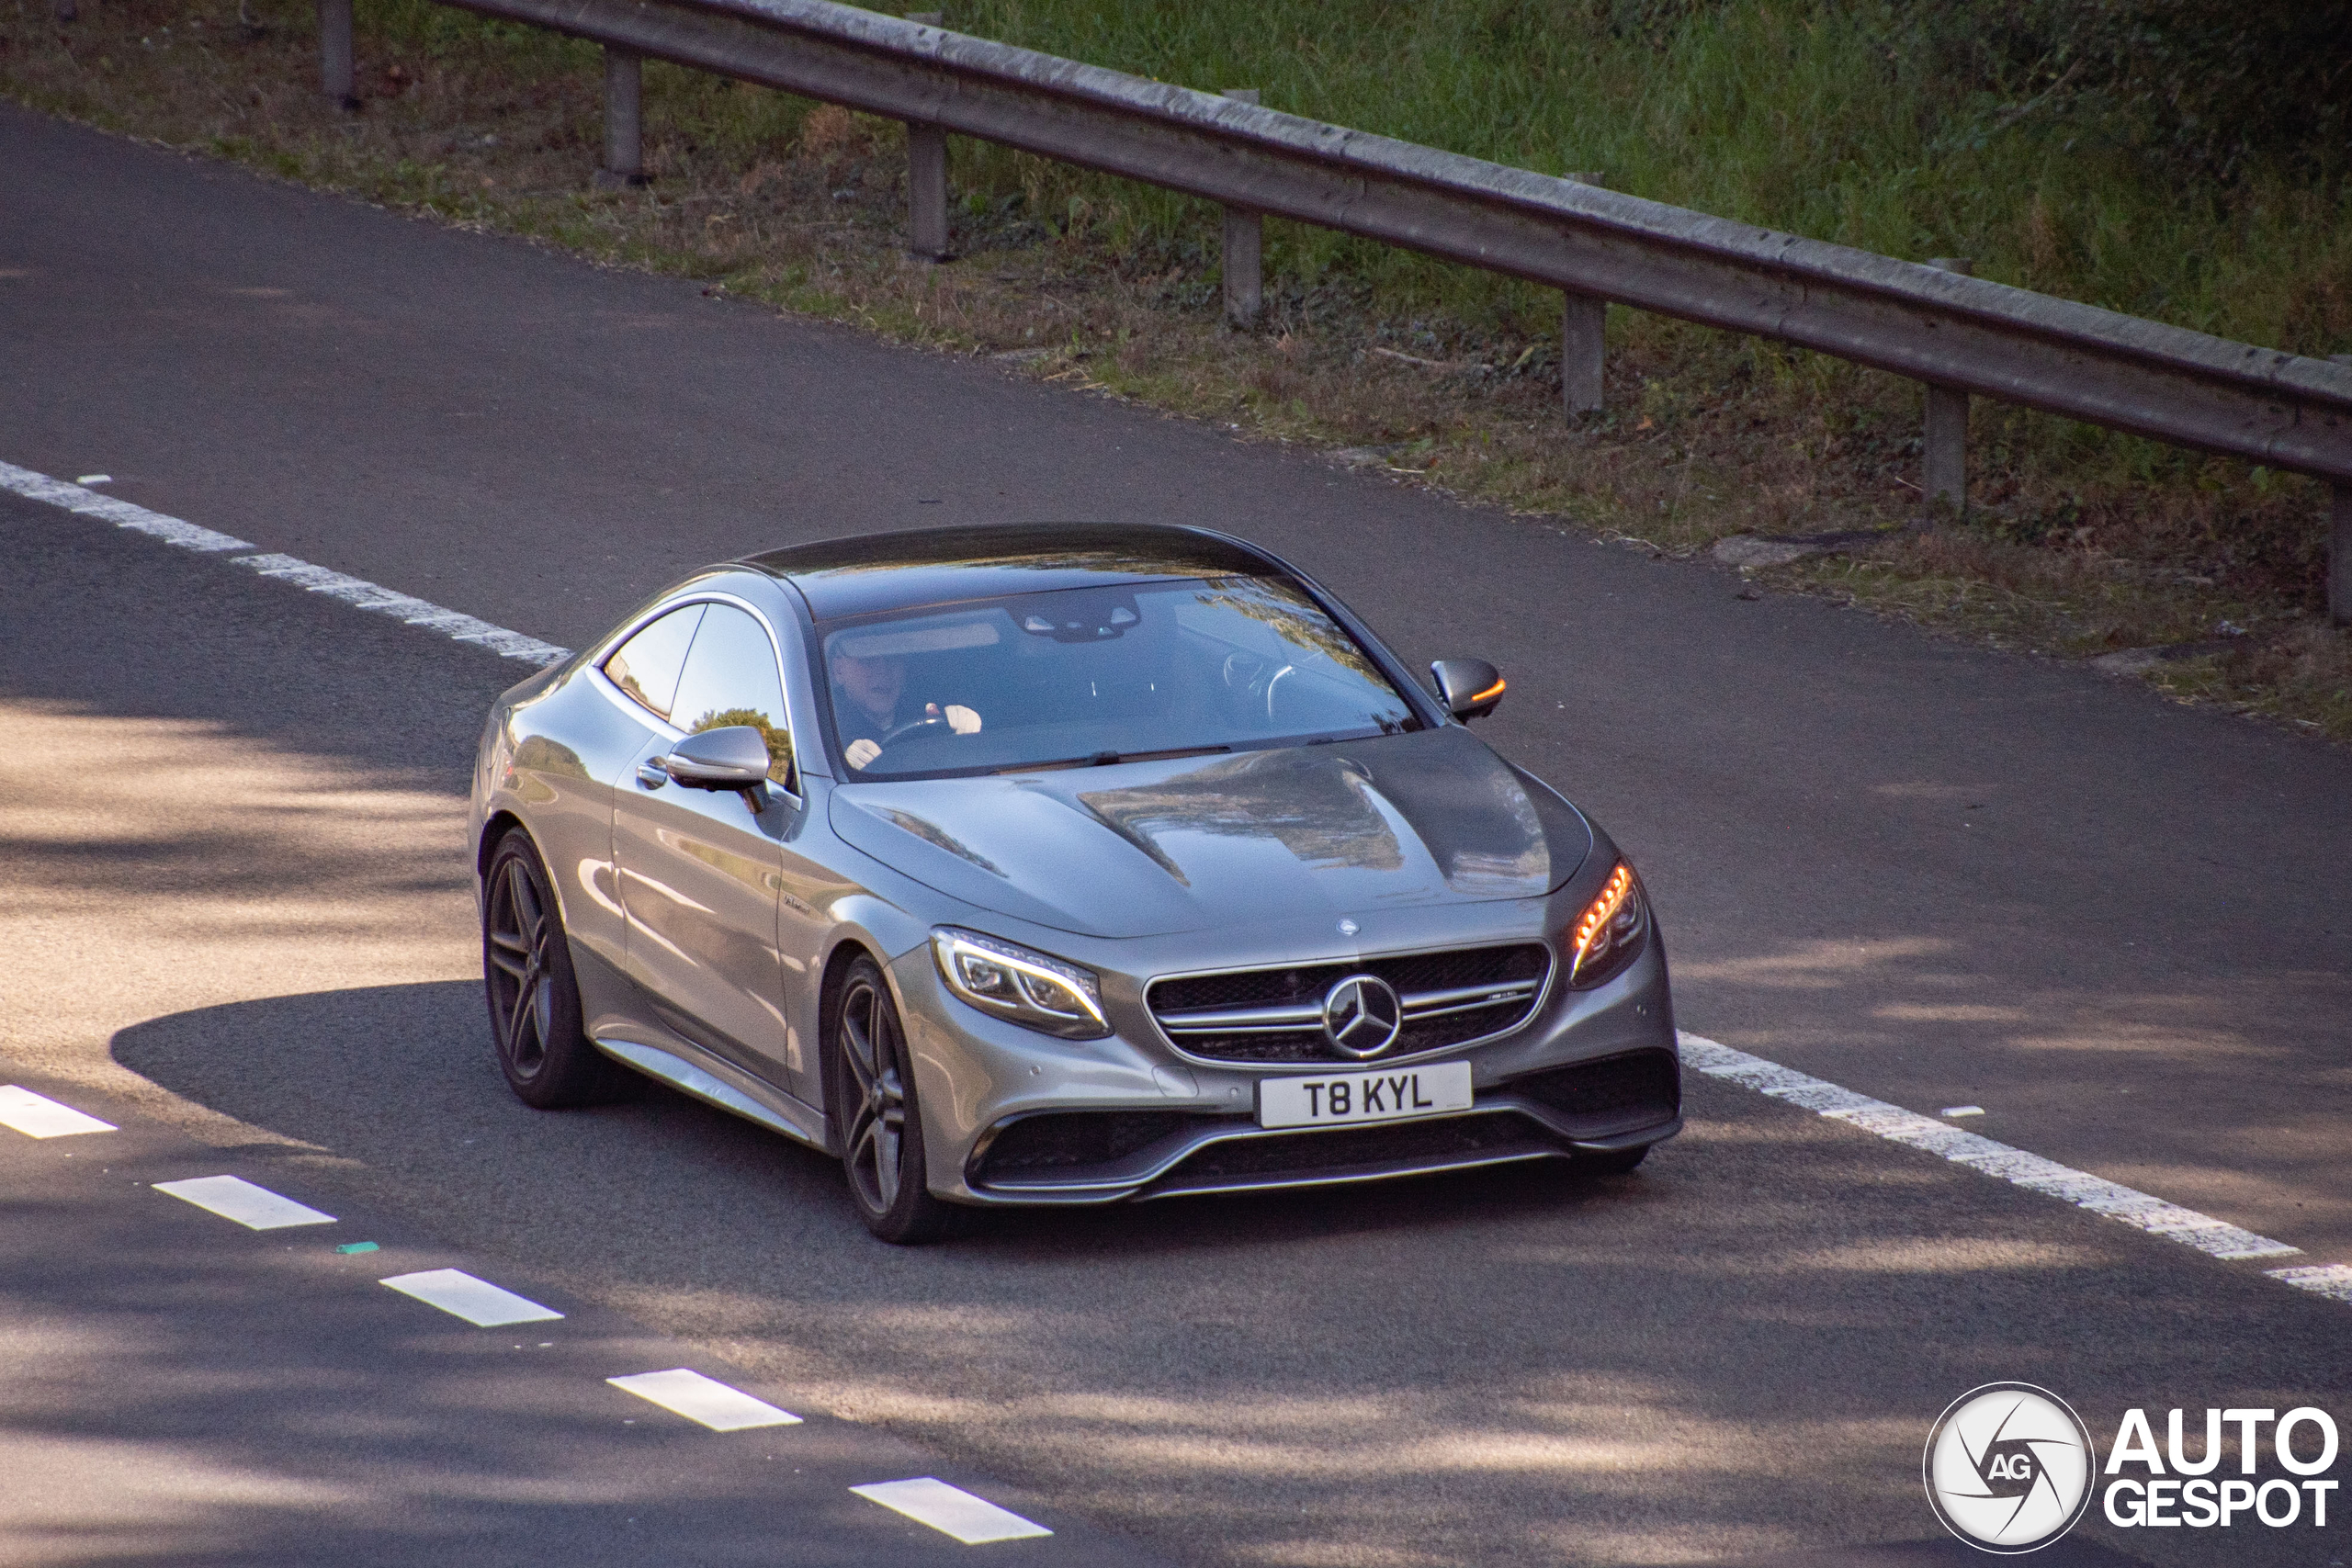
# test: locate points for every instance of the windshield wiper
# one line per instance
(1106, 758)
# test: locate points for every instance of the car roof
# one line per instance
(872, 573)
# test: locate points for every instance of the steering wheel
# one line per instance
(929, 721)
(1254, 679)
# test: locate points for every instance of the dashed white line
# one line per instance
(356, 591)
(478, 1302)
(37, 1116)
(235, 1198)
(687, 1393)
(2217, 1238)
(951, 1510)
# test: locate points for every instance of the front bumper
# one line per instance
(1015, 1118)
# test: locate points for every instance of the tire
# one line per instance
(874, 1104)
(533, 997)
(1615, 1163)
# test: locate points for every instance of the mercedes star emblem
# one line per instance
(1361, 1015)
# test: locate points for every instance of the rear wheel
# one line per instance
(534, 998)
(873, 1105)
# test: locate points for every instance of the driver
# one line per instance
(866, 706)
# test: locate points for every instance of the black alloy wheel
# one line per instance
(873, 1106)
(534, 998)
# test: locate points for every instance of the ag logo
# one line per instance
(2009, 1468)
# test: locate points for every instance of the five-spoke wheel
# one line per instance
(873, 1106)
(534, 1000)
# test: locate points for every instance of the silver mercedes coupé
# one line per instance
(1057, 864)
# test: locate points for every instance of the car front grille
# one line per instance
(1615, 1094)
(1276, 1015)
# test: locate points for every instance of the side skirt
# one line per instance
(621, 1024)
(690, 1070)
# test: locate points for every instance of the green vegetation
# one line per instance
(2184, 160)
(2038, 144)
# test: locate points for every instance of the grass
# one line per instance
(1796, 115)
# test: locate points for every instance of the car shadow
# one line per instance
(400, 1080)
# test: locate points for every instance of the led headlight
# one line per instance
(1031, 989)
(1607, 935)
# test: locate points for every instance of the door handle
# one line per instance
(651, 774)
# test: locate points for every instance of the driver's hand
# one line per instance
(960, 719)
(861, 752)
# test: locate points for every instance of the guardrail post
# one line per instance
(926, 176)
(2339, 554)
(1944, 451)
(1584, 342)
(927, 191)
(624, 118)
(335, 78)
(1245, 249)
(2339, 541)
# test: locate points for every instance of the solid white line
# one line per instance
(361, 594)
(951, 1510)
(121, 513)
(356, 591)
(235, 1198)
(37, 1116)
(478, 1302)
(2095, 1193)
(2333, 1281)
(707, 1400)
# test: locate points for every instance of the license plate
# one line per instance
(1350, 1100)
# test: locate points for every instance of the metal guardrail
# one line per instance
(1954, 332)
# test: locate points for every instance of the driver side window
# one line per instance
(731, 678)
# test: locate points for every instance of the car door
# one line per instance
(700, 870)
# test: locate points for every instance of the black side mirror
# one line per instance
(1469, 687)
(733, 758)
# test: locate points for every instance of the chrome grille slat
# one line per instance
(1450, 997)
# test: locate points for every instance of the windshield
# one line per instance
(1091, 675)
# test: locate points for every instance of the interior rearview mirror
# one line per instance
(733, 758)
(1469, 687)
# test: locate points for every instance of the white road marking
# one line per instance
(37, 1116)
(361, 594)
(951, 1510)
(235, 1198)
(478, 1302)
(94, 479)
(121, 513)
(1962, 1111)
(356, 591)
(707, 1400)
(2333, 1281)
(2206, 1234)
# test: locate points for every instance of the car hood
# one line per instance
(1143, 849)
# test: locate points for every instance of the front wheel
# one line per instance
(534, 998)
(1617, 1162)
(873, 1106)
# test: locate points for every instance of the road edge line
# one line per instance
(358, 593)
(2111, 1200)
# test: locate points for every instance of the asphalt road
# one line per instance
(1933, 874)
